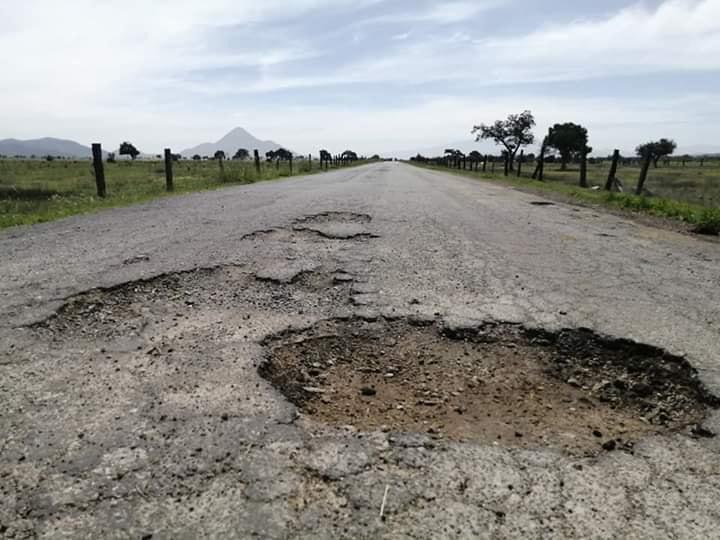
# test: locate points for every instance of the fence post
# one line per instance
(309, 162)
(257, 161)
(290, 164)
(520, 162)
(613, 171)
(540, 168)
(168, 170)
(643, 174)
(507, 163)
(492, 166)
(583, 169)
(99, 170)
(485, 162)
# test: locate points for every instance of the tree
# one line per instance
(349, 155)
(513, 133)
(282, 154)
(128, 149)
(242, 154)
(376, 157)
(325, 155)
(570, 140)
(655, 150)
(475, 158)
(196, 157)
(111, 157)
(219, 155)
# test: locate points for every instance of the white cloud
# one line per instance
(680, 35)
(89, 69)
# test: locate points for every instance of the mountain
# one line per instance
(231, 143)
(44, 147)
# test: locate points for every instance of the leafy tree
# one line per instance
(242, 154)
(513, 133)
(570, 140)
(270, 155)
(219, 155)
(111, 157)
(196, 157)
(128, 149)
(325, 155)
(349, 155)
(655, 150)
(376, 157)
(282, 154)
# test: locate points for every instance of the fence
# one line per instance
(326, 161)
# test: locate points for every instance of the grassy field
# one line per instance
(34, 191)
(692, 184)
(689, 194)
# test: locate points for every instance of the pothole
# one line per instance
(329, 217)
(319, 227)
(542, 203)
(499, 384)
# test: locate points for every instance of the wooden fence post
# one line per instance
(583, 169)
(309, 162)
(168, 170)
(485, 159)
(492, 166)
(99, 170)
(290, 164)
(643, 174)
(507, 163)
(613, 171)
(257, 161)
(539, 173)
(520, 162)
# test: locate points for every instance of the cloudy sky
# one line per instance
(371, 75)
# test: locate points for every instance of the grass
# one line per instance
(685, 194)
(34, 191)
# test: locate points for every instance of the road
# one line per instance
(139, 410)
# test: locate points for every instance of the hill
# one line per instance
(47, 146)
(231, 143)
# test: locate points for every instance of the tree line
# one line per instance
(565, 142)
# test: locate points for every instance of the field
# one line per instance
(690, 194)
(33, 191)
(693, 183)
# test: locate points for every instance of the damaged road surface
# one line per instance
(381, 352)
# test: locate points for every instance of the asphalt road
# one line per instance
(139, 410)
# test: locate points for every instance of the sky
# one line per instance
(374, 76)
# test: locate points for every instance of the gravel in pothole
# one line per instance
(498, 384)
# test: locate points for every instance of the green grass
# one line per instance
(687, 199)
(40, 191)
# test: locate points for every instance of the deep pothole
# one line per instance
(498, 384)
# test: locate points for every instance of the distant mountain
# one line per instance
(44, 147)
(231, 143)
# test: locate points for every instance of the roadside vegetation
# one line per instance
(40, 190)
(653, 181)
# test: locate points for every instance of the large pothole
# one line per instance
(500, 384)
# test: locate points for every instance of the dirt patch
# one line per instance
(499, 384)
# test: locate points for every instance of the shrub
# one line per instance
(709, 222)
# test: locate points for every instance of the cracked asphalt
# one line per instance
(131, 405)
